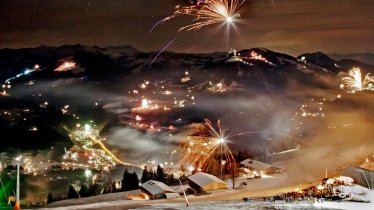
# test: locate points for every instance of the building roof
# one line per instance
(368, 165)
(255, 164)
(155, 187)
(361, 176)
(203, 179)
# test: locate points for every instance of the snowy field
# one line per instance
(216, 200)
(220, 205)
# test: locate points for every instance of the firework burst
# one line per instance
(354, 82)
(204, 12)
(207, 12)
(206, 145)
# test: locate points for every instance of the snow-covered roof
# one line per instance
(155, 187)
(258, 165)
(203, 179)
(368, 165)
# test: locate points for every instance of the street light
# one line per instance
(184, 193)
(17, 205)
(365, 178)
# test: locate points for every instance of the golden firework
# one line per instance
(206, 147)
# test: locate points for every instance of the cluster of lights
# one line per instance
(220, 87)
(89, 150)
(255, 56)
(65, 109)
(66, 66)
(312, 109)
(35, 164)
(140, 114)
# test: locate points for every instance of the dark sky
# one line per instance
(289, 26)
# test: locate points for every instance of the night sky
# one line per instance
(289, 26)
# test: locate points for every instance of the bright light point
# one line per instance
(229, 19)
(19, 158)
(27, 71)
(138, 118)
(87, 127)
(144, 103)
(221, 140)
(87, 172)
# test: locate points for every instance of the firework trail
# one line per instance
(162, 50)
(353, 81)
(27, 71)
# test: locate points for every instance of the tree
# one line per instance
(130, 181)
(94, 189)
(171, 180)
(125, 181)
(160, 175)
(146, 176)
(153, 175)
(50, 198)
(134, 181)
(72, 193)
(83, 192)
